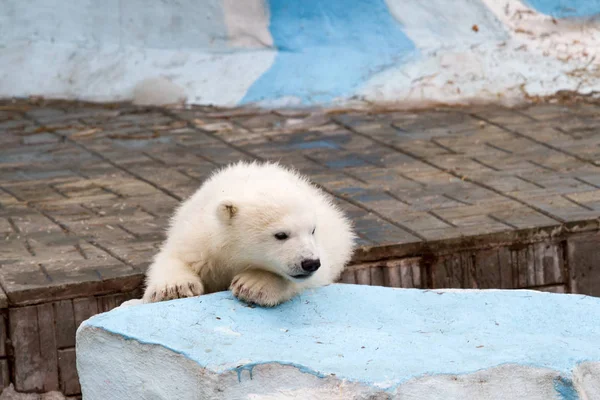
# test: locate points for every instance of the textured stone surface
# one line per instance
(86, 191)
(347, 341)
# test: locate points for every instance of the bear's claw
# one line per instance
(174, 291)
(261, 288)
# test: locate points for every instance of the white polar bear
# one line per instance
(259, 229)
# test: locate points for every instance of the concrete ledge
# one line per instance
(347, 341)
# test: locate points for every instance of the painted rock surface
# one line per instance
(345, 342)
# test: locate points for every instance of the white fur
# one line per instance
(223, 237)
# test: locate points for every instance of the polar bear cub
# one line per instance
(259, 229)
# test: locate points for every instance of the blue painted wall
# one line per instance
(385, 51)
(566, 8)
(328, 47)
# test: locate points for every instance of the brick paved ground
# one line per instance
(483, 197)
(86, 190)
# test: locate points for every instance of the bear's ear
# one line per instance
(227, 210)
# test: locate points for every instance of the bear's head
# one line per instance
(278, 235)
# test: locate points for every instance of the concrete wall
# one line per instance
(347, 342)
(277, 52)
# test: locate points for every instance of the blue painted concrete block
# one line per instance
(347, 341)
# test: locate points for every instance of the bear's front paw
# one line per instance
(261, 288)
(173, 290)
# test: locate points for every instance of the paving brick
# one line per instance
(34, 223)
(380, 231)
(558, 206)
(483, 229)
(19, 277)
(29, 283)
(422, 221)
(522, 217)
(589, 199)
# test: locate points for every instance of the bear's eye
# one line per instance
(281, 236)
(313, 232)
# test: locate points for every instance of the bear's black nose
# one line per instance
(311, 265)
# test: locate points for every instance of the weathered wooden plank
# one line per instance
(584, 264)
(67, 364)
(348, 276)
(25, 336)
(377, 278)
(49, 358)
(65, 324)
(84, 308)
(363, 276)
